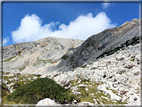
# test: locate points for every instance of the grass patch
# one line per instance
(94, 93)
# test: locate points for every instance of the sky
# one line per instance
(25, 22)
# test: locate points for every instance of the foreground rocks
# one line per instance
(122, 76)
(115, 81)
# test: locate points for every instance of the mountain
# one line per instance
(36, 56)
(105, 41)
(58, 54)
(106, 64)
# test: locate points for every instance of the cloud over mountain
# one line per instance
(82, 27)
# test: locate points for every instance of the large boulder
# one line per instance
(47, 101)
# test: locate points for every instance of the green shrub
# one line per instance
(64, 57)
(133, 58)
(84, 66)
(39, 89)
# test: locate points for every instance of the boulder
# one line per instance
(113, 96)
(82, 85)
(47, 101)
(63, 80)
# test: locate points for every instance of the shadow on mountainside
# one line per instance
(96, 46)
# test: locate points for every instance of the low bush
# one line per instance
(133, 58)
(84, 66)
(39, 89)
(65, 57)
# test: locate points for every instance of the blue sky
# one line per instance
(23, 22)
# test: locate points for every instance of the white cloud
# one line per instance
(81, 28)
(105, 5)
(5, 41)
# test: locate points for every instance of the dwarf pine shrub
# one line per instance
(39, 89)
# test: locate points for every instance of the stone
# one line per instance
(82, 85)
(120, 58)
(136, 73)
(74, 101)
(129, 66)
(113, 96)
(91, 94)
(115, 85)
(47, 101)
(120, 71)
(76, 93)
(86, 89)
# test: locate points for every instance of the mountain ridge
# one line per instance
(61, 54)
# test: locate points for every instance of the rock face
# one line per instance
(36, 56)
(107, 40)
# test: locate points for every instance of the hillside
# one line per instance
(37, 56)
(104, 69)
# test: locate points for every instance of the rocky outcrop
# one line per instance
(36, 56)
(123, 76)
(105, 41)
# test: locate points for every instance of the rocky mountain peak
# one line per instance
(53, 53)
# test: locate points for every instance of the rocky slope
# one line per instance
(37, 56)
(105, 41)
(106, 64)
(116, 77)
(113, 79)
(96, 45)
